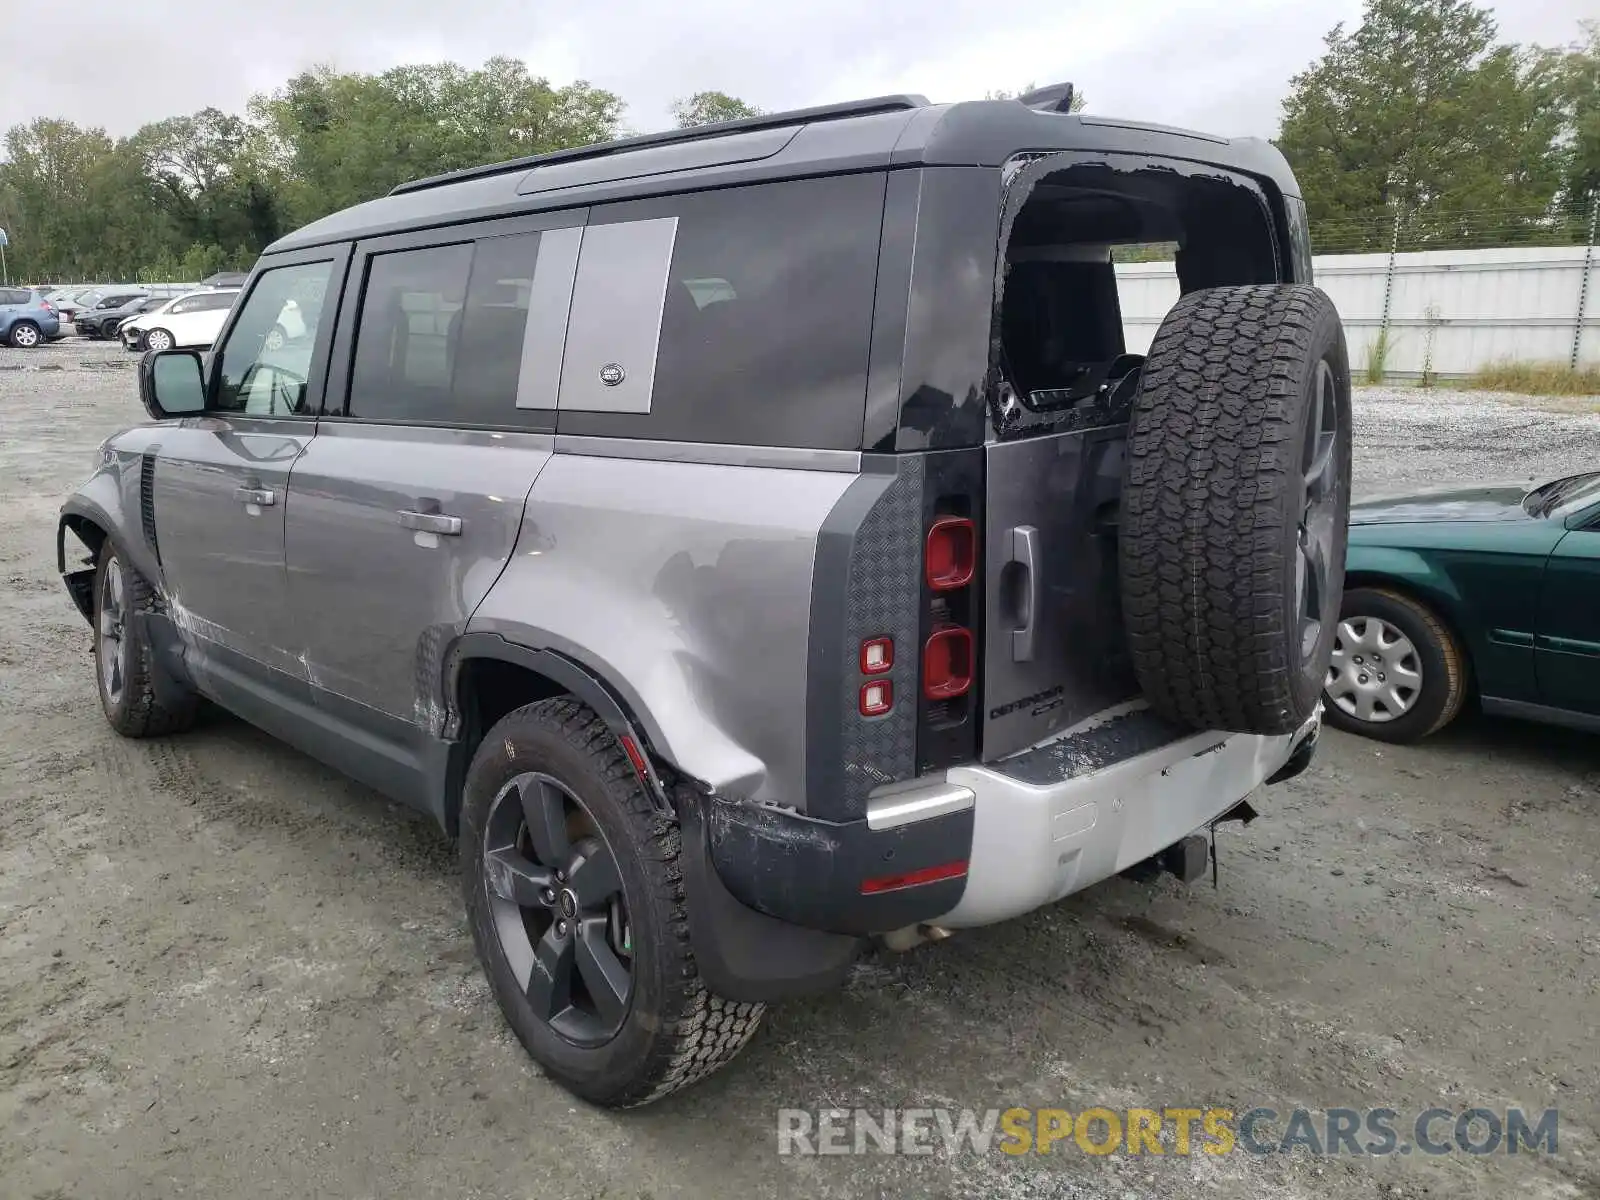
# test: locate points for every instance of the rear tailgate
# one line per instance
(1054, 650)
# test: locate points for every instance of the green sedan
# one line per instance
(1490, 593)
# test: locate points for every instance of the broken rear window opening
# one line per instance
(1059, 349)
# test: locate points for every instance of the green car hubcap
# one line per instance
(1375, 674)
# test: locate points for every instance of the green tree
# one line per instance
(338, 138)
(1421, 106)
(76, 201)
(1576, 78)
(707, 108)
(206, 175)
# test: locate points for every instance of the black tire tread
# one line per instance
(701, 1031)
(1455, 662)
(1212, 447)
(142, 715)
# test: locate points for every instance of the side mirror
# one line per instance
(172, 383)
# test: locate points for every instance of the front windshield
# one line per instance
(1562, 497)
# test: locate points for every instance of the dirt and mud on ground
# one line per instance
(227, 972)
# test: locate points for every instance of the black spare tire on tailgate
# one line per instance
(1235, 506)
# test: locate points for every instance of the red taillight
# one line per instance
(951, 553)
(877, 698)
(947, 663)
(893, 883)
(877, 655)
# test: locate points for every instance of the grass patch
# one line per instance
(1378, 358)
(1537, 379)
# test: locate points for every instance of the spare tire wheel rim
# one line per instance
(1376, 672)
(555, 893)
(1319, 516)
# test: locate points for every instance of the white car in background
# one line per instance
(191, 320)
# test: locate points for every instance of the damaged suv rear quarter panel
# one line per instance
(696, 579)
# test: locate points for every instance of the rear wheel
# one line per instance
(1234, 507)
(1397, 672)
(25, 335)
(158, 339)
(575, 894)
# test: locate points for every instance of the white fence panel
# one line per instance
(1450, 311)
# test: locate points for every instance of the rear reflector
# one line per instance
(877, 655)
(951, 553)
(893, 883)
(947, 663)
(877, 698)
(640, 768)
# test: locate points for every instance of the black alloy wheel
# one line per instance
(559, 913)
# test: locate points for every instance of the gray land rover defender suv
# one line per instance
(754, 540)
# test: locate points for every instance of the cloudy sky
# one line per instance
(1221, 65)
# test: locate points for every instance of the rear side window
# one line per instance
(441, 333)
(765, 317)
(406, 341)
(15, 297)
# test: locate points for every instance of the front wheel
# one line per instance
(275, 339)
(575, 896)
(158, 339)
(122, 655)
(25, 335)
(1397, 673)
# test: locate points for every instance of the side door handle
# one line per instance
(1024, 568)
(431, 522)
(262, 496)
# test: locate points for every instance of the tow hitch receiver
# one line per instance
(1187, 859)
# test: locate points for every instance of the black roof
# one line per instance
(882, 133)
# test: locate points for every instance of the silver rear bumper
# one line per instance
(1035, 842)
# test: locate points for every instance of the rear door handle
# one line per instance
(1025, 556)
(431, 522)
(262, 496)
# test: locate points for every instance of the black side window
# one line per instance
(441, 333)
(767, 317)
(409, 334)
(493, 329)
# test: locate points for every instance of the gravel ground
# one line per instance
(1409, 438)
(227, 972)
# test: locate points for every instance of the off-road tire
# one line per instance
(136, 712)
(1212, 501)
(1446, 677)
(676, 1032)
